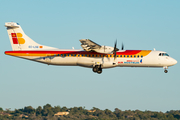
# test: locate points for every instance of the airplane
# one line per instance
(92, 55)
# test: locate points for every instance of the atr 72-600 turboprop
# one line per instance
(92, 55)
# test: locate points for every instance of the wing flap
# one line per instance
(89, 45)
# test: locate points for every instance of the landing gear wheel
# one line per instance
(95, 69)
(165, 71)
(99, 71)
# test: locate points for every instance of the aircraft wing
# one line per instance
(89, 45)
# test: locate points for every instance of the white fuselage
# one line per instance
(82, 58)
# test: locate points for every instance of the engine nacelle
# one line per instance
(105, 49)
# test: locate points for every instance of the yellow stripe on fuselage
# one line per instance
(27, 54)
(144, 52)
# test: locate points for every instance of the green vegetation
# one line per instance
(47, 112)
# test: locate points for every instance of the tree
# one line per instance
(56, 109)
(29, 110)
(64, 109)
(47, 106)
(170, 117)
(38, 111)
(108, 112)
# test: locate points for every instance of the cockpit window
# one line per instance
(163, 54)
(166, 54)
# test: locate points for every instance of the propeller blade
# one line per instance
(115, 49)
(122, 48)
(115, 44)
(115, 56)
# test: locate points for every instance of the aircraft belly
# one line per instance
(53, 60)
(64, 61)
(88, 62)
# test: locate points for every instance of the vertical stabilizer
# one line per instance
(20, 41)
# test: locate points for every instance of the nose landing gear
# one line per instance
(165, 69)
(97, 68)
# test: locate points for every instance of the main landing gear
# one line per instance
(97, 68)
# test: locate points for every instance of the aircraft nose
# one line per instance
(174, 61)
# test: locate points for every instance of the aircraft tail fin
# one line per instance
(20, 41)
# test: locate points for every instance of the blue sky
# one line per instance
(138, 24)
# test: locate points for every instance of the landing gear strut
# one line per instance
(97, 68)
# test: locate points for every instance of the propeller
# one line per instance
(115, 49)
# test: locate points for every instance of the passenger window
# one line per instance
(134, 56)
(117, 55)
(78, 55)
(138, 56)
(106, 55)
(71, 54)
(141, 56)
(110, 55)
(120, 55)
(159, 54)
(96, 55)
(127, 55)
(131, 56)
(64, 55)
(124, 55)
(82, 55)
(92, 55)
(86, 55)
